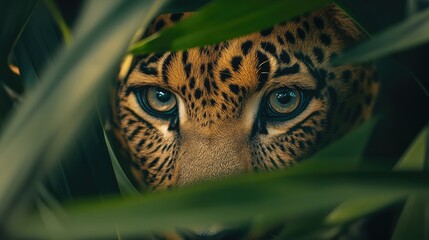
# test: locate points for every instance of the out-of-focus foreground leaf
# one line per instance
(338, 156)
(362, 206)
(358, 138)
(37, 46)
(37, 49)
(224, 19)
(13, 16)
(179, 6)
(409, 33)
(56, 14)
(62, 101)
(414, 221)
(412, 160)
(124, 184)
(248, 198)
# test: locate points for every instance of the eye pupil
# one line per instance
(157, 101)
(162, 95)
(285, 97)
(284, 102)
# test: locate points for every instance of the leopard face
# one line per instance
(255, 103)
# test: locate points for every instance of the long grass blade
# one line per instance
(180, 6)
(38, 46)
(56, 14)
(253, 197)
(348, 211)
(224, 19)
(414, 157)
(51, 115)
(413, 221)
(361, 207)
(124, 184)
(407, 34)
(13, 17)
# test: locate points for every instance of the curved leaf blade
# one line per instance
(56, 14)
(407, 34)
(414, 158)
(351, 210)
(361, 207)
(224, 19)
(13, 17)
(252, 197)
(413, 221)
(51, 115)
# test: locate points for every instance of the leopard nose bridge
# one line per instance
(205, 157)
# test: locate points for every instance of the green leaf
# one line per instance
(361, 207)
(241, 199)
(355, 209)
(13, 17)
(414, 158)
(38, 45)
(407, 34)
(305, 226)
(413, 221)
(179, 6)
(6, 104)
(51, 115)
(56, 14)
(219, 21)
(125, 186)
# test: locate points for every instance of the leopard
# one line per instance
(256, 103)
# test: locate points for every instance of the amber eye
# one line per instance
(285, 103)
(157, 101)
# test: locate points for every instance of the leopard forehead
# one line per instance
(214, 81)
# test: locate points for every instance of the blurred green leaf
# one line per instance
(338, 156)
(60, 104)
(252, 197)
(49, 208)
(5, 104)
(409, 33)
(414, 157)
(413, 222)
(38, 46)
(305, 226)
(13, 17)
(361, 207)
(352, 210)
(179, 6)
(56, 14)
(219, 21)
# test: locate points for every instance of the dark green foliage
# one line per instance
(55, 136)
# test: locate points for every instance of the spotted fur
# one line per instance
(219, 132)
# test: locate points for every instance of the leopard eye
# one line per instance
(285, 103)
(157, 101)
